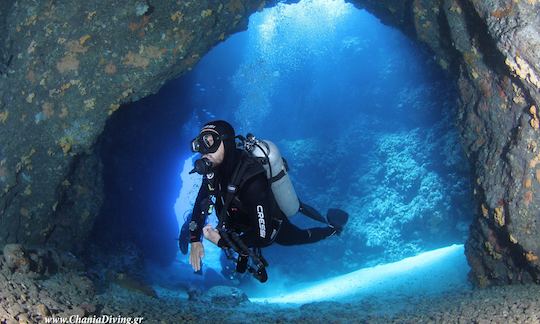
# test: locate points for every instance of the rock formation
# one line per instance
(492, 49)
(66, 67)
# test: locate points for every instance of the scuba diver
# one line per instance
(253, 197)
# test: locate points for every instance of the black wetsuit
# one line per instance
(255, 214)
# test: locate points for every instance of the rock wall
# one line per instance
(65, 67)
(492, 47)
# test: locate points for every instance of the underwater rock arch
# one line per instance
(65, 68)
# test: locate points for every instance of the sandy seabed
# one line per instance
(509, 304)
(32, 298)
(25, 300)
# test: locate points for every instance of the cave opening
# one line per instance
(364, 116)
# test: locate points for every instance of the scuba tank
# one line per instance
(276, 168)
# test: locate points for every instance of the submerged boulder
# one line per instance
(225, 296)
(39, 261)
(16, 258)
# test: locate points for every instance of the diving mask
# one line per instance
(208, 141)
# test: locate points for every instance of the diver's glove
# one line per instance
(202, 166)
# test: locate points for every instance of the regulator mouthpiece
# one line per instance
(202, 166)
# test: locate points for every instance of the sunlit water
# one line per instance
(364, 117)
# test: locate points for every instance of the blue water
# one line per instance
(365, 118)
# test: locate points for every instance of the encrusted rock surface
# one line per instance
(69, 293)
(36, 282)
(66, 66)
(492, 47)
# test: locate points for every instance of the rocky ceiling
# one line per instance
(65, 67)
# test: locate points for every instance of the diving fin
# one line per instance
(311, 213)
(337, 219)
(241, 263)
(183, 238)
